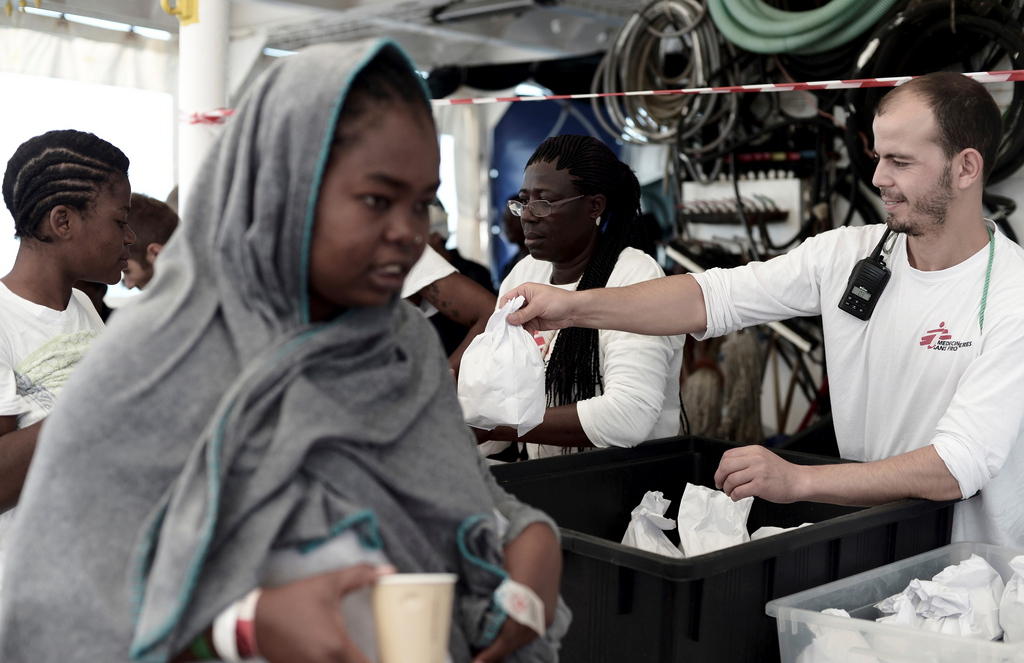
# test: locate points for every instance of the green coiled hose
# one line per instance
(758, 27)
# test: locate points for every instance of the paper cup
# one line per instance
(413, 613)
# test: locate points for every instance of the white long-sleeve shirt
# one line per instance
(920, 371)
(640, 396)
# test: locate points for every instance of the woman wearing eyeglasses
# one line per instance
(578, 206)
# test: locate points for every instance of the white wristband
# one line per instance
(522, 604)
(246, 625)
(247, 606)
(225, 641)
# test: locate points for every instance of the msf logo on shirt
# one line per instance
(941, 340)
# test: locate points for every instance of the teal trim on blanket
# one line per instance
(144, 550)
(369, 533)
(495, 615)
(496, 618)
(141, 646)
(460, 539)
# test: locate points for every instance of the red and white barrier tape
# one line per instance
(216, 116)
(893, 81)
(220, 115)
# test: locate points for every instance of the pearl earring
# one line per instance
(597, 221)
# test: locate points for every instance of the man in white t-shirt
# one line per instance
(927, 390)
(69, 195)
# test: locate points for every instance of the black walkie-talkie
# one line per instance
(867, 281)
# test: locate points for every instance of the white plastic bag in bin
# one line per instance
(962, 599)
(646, 525)
(1011, 606)
(709, 520)
(501, 377)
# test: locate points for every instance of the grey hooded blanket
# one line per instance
(212, 424)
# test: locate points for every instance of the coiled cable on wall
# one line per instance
(637, 61)
(924, 38)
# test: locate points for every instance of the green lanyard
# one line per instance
(988, 277)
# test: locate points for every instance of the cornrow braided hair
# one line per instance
(64, 167)
(574, 370)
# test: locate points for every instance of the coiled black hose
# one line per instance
(922, 39)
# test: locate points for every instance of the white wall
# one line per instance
(139, 122)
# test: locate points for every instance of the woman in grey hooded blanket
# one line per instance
(218, 425)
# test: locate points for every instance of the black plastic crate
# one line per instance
(632, 606)
(818, 438)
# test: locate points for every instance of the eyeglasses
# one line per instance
(538, 208)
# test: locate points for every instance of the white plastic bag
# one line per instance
(962, 599)
(1011, 607)
(646, 525)
(985, 587)
(709, 520)
(501, 377)
(900, 610)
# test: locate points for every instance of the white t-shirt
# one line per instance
(429, 268)
(920, 371)
(39, 347)
(640, 395)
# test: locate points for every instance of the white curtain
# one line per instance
(42, 46)
(472, 127)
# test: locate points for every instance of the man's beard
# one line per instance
(928, 211)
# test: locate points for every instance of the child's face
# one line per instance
(372, 214)
(136, 275)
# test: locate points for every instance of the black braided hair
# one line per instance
(64, 167)
(574, 370)
(385, 79)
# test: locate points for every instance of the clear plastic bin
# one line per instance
(807, 636)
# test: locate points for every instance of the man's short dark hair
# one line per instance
(966, 114)
(152, 221)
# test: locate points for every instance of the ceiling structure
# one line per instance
(495, 31)
(571, 27)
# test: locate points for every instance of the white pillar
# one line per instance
(202, 85)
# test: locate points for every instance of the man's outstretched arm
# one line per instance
(660, 307)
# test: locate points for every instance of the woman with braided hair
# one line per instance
(578, 206)
(68, 193)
